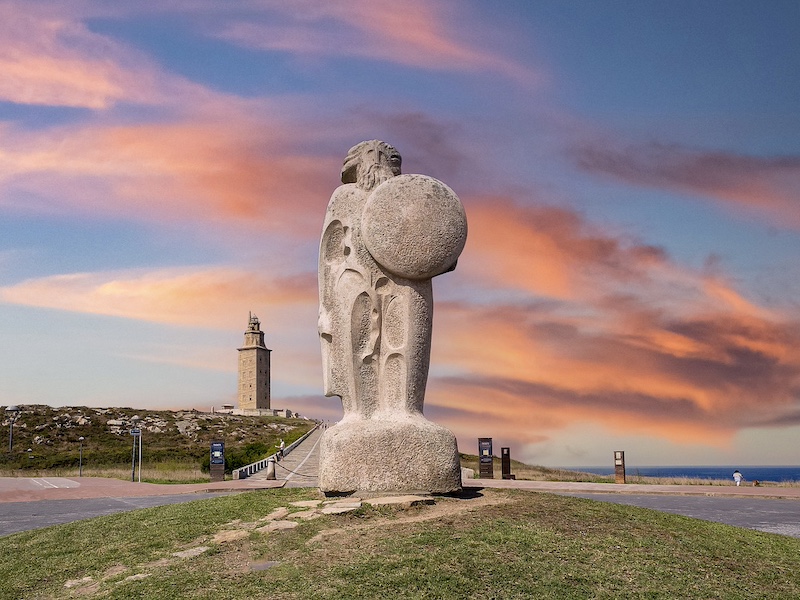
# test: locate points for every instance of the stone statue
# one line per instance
(385, 236)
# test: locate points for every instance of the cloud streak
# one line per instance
(196, 170)
(764, 186)
(550, 251)
(49, 57)
(212, 297)
(536, 372)
(415, 35)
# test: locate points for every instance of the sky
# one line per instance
(630, 172)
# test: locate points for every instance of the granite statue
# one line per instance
(385, 236)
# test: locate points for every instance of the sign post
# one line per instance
(619, 466)
(136, 433)
(485, 458)
(505, 459)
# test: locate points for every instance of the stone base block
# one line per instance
(409, 455)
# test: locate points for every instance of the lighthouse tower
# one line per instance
(254, 368)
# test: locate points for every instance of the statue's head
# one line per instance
(370, 163)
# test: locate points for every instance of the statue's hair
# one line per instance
(350, 168)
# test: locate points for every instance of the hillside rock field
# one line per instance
(49, 438)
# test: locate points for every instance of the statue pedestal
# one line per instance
(395, 454)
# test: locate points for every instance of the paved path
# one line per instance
(24, 516)
(299, 468)
(26, 489)
(32, 503)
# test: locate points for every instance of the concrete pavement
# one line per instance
(31, 489)
(24, 516)
(299, 468)
(36, 502)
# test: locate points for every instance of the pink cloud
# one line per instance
(553, 252)
(604, 330)
(438, 36)
(48, 57)
(767, 186)
(418, 34)
(534, 372)
(550, 251)
(212, 297)
(240, 171)
(218, 298)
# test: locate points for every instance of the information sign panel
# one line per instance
(217, 453)
(217, 462)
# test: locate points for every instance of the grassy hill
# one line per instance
(47, 438)
(493, 544)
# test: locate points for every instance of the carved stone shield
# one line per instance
(414, 226)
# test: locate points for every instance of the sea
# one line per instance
(752, 473)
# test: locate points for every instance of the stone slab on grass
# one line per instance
(277, 514)
(191, 553)
(337, 508)
(277, 526)
(305, 515)
(306, 503)
(405, 501)
(230, 535)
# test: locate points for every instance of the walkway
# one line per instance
(299, 467)
(25, 489)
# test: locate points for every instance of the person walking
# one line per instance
(737, 477)
(283, 446)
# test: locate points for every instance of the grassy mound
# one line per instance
(497, 544)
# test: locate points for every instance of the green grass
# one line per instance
(503, 544)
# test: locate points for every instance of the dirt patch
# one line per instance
(114, 571)
(230, 535)
(444, 508)
(237, 557)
